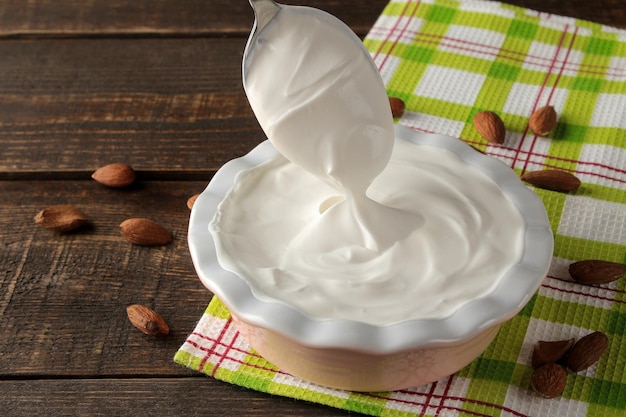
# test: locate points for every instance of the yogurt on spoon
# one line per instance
(322, 103)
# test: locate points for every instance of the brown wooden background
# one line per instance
(155, 84)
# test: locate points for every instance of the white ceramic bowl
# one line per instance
(363, 357)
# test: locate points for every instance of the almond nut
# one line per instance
(397, 106)
(115, 175)
(549, 380)
(551, 179)
(191, 201)
(587, 351)
(61, 218)
(549, 352)
(147, 320)
(145, 232)
(490, 126)
(594, 271)
(543, 121)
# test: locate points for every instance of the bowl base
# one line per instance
(362, 371)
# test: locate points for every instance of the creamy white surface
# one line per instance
(338, 229)
(470, 236)
(319, 98)
(322, 103)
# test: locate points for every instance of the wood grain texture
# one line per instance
(607, 12)
(172, 397)
(65, 108)
(186, 18)
(191, 18)
(63, 296)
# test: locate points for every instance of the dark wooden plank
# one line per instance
(157, 17)
(181, 397)
(63, 297)
(607, 12)
(90, 66)
(219, 17)
(72, 105)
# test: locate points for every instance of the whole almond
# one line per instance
(549, 352)
(587, 351)
(61, 218)
(145, 232)
(595, 271)
(147, 320)
(490, 126)
(115, 175)
(551, 179)
(543, 121)
(397, 106)
(192, 200)
(549, 380)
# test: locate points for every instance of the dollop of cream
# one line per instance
(322, 103)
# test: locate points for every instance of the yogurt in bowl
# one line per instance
(350, 252)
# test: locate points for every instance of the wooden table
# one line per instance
(155, 84)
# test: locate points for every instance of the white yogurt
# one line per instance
(378, 233)
(470, 236)
(321, 101)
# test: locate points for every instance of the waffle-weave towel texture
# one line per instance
(449, 60)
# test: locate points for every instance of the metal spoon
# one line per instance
(264, 12)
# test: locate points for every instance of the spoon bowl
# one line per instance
(264, 12)
(304, 73)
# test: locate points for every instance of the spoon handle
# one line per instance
(264, 11)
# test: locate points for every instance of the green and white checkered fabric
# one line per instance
(448, 60)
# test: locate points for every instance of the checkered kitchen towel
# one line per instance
(448, 60)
